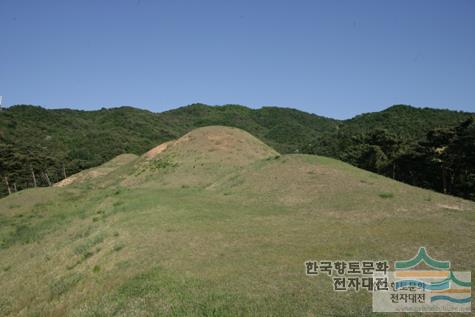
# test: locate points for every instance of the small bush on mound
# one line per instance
(64, 284)
(23, 234)
(162, 163)
(118, 247)
(386, 195)
(84, 249)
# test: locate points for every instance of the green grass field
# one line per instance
(217, 224)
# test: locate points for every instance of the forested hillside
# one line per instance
(41, 145)
(425, 147)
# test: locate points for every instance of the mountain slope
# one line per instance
(405, 121)
(229, 239)
(44, 141)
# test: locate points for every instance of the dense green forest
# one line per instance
(424, 147)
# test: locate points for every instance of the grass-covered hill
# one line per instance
(215, 223)
(45, 140)
(51, 143)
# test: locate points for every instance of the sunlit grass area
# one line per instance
(226, 238)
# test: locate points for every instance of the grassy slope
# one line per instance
(200, 230)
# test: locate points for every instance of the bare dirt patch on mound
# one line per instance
(158, 149)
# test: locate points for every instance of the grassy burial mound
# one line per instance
(215, 223)
(99, 171)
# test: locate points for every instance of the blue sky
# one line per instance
(333, 58)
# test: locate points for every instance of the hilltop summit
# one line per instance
(201, 157)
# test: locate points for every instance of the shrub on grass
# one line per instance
(64, 284)
(386, 195)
